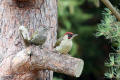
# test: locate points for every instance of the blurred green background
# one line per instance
(82, 17)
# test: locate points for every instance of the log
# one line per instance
(41, 59)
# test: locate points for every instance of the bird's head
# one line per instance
(22, 28)
(69, 35)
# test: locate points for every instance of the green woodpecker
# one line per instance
(64, 44)
(39, 37)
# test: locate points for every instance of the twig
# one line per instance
(113, 10)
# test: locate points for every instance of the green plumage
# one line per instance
(58, 41)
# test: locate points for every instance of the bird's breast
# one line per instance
(65, 46)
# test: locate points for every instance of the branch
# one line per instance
(113, 10)
(41, 60)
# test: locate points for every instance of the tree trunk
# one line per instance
(33, 14)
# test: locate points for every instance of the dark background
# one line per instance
(82, 17)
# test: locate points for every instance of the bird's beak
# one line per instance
(74, 35)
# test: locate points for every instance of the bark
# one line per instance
(40, 60)
(33, 14)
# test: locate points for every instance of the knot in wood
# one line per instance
(26, 3)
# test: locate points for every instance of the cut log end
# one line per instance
(79, 68)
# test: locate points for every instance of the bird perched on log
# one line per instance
(39, 36)
(64, 43)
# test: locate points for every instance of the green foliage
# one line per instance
(114, 66)
(110, 28)
(96, 2)
(69, 14)
(55, 78)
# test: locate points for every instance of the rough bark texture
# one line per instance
(33, 14)
(41, 59)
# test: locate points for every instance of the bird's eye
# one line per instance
(69, 35)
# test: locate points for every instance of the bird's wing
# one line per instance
(58, 42)
(34, 35)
